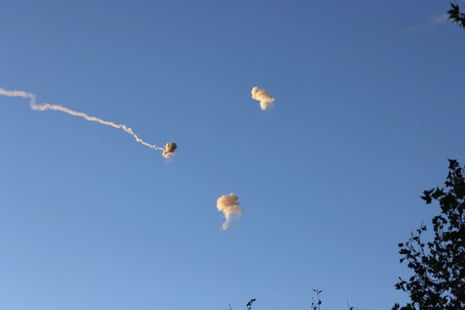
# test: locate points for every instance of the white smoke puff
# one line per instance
(229, 205)
(169, 149)
(263, 96)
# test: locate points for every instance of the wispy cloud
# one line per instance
(168, 150)
(440, 19)
(433, 22)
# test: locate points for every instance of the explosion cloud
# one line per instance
(167, 151)
(229, 205)
(263, 97)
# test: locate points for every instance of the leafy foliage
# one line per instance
(438, 281)
(316, 303)
(456, 15)
(248, 305)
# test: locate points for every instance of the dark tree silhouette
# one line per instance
(248, 305)
(316, 304)
(456, 15)
(438, 280)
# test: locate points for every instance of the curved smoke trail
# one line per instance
(168, 150)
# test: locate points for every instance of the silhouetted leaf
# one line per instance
(438, 280)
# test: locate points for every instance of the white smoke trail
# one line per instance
(168, 150)
(263, 97)
(229, 205)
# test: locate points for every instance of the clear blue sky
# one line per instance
(369, 106)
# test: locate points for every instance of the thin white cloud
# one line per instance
(433, 22)
(440, 19)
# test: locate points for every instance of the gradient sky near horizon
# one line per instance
(369, 106)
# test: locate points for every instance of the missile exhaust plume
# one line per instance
(169, 149)
(263, 97)
(53, 107)
(229, 205)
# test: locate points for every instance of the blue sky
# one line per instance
(369, 106)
